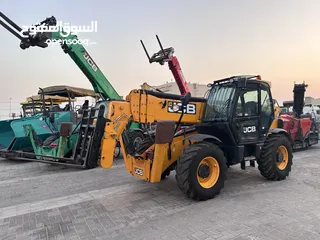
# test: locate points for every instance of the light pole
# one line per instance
(10, 108)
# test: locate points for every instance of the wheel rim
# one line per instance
(116, 151)
(282, 157)
(208, 172)
(137, 141)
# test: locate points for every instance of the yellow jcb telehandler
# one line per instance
(233, 125)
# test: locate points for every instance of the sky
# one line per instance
(280, 40)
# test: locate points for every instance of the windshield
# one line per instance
(219, 102)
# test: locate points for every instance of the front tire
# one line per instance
(201, 171)
(117, 150)
(136, 138)
(275, 160)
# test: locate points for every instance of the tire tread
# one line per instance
(183, 167)
(266, 161)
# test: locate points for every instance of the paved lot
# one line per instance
(41, 201)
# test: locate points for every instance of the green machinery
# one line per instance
(43, 113)
(35, 112)
(50, 103)
(53, 149)
(91, 127)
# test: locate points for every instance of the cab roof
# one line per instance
(244, 78)
(64, 91)
(38, 99)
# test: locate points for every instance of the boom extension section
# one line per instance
(166, 55)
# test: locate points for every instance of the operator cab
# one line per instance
(239, 112)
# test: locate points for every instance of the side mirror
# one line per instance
(186, 99)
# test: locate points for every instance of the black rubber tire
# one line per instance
(134, 135)
(267, 164)
(186, 170)
(145, 144)
(119, 147)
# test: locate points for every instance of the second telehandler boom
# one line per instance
(166, 55)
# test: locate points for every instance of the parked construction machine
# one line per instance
(301, 127)
(42, 114)
(235, 124)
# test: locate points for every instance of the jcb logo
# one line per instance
(249, 129)
(138, 171)
(188, 109)
(90, 61)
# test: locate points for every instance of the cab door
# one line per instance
(246, 117)
(267, 109)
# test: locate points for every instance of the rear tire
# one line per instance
(269, 162)
(201, 159)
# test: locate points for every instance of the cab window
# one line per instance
(247, 103)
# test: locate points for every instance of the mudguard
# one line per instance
(202, 137)
(136, 129)
(281, 131)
